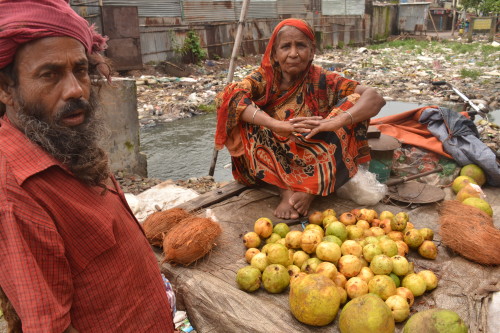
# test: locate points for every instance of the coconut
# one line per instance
(158, 224)
(190, 240)
(464, 227)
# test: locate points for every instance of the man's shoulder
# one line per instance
(19, 157)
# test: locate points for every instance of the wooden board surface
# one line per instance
(213, 197)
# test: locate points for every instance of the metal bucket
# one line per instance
(382, 153)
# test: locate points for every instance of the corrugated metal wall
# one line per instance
(208, 11)
(89, 10)
(413, 17)
(292, 7)
(341, 30)
(157, 44)
(148, 8)
(382, 24)
(258, 9)
(343, 7)
(164, 24)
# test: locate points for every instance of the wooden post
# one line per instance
(435, 29)
(454, 20)
(236, 48)
(237, 40)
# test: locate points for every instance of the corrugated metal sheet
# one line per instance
(413, 16)
(293, 7)
(90, 11)
(258, 9)
(149, 8)
(343, 7)
(384, 21)
(209, 11)
(157, 44)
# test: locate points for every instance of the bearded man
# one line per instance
(73, 258)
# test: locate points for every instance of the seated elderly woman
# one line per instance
(294, 125)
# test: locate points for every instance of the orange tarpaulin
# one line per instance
(407, 129)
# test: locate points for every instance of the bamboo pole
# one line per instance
(454, 20)
(232, 64)
(435, 29)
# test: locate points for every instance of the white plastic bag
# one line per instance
(364, 188)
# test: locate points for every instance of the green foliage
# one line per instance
(192, 48)
(484, 6)
(207, 108)
(340, 45)
(472, 73)
(480, 52)
(490, 6)
(328, 47)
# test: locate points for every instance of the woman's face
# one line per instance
(293, 51)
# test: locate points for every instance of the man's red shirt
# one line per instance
(70, 254)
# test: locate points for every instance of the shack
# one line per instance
(147, 31)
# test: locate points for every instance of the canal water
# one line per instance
(183, 148)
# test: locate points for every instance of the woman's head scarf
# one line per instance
(22, 21)
(271, 73)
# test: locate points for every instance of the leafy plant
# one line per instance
(192, 48)
(207, 108)
(485, 6)
(472, 73)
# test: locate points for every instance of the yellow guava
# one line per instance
(367, 313)
(474, 172)
(314, 300)
(460, 182)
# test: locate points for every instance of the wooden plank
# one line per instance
(213, 197)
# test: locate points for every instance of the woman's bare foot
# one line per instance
(301, 202)
(285, 210)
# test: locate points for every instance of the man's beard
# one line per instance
(76, 147)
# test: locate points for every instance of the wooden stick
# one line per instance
(236, 48)
(435, 29)
(392, 182)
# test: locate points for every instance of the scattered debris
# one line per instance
(399, 74)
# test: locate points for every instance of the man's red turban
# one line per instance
(22, 21)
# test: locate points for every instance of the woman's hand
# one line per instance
(283, 128)
(314, 125)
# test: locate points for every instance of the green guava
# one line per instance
(275, 278)
(248, 278)
(435, 321)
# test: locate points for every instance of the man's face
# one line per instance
(53, 105)
(53, 76)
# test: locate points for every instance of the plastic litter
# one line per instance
(364, 188)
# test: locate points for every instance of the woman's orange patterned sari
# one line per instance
(318, 165)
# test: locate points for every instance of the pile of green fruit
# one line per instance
(467, 187)
(334, 260)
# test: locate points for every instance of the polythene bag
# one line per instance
(364, 188)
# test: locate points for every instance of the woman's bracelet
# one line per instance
(254, 113)
(350, 115)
